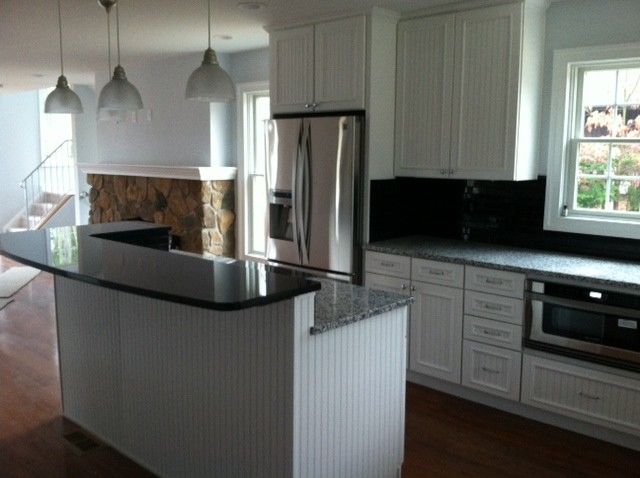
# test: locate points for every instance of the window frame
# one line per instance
(568, 69)
(245, 94)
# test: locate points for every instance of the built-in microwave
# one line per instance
(586, 322)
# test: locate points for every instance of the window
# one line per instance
(254, 105)
(593, 176)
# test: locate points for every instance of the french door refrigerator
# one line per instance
(314, 187)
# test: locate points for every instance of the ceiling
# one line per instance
(29, 37)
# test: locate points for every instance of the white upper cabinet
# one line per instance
(339, 64)
(291, 84)
(468, 87)
(424, 86)
(318, 67)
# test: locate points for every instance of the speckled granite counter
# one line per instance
(338, 303)
(534, 263)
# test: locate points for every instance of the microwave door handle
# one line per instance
(588, 306)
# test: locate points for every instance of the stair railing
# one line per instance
(55, 174)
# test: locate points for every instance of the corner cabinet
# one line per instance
(318, 67)
(468, 87)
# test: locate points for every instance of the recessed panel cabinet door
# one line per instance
(291, 76)
(436, 331)
(485, 97)
(423, 101)
(339, 64)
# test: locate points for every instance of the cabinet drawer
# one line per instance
(591, 395)
(492, 332)
(494, 307)
(388, 264)
(442, 273)
(390, 284)
(510, 284)
(491, 369)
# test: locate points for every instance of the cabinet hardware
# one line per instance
(588, 396)
(307, 105)
(413, 288)
(490, 306)
(491, 333)
(404, 286)
(314, 105)
(493, 281)
(452, 171)
(435, 272)
(443, 171)
(489, 370)
(387, 264)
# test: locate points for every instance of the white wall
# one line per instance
(179, 130)
(19, 148)
(86, 138)
(578, 23)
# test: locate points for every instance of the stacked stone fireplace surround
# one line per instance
(201, 214)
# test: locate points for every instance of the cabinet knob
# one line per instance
(314, 105)
(451, 171)
(413, 288)
(404, 286)
(443, 171)
(307, 105)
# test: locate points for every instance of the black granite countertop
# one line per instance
(534, 263)
(110, 255)
(339, 303)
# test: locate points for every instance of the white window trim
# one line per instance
(243, 144)
(562, 107)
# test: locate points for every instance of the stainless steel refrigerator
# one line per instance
(314, 188)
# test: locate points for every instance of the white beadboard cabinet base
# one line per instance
(190, 392)
(527, 411)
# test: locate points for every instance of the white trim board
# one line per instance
(195, 173)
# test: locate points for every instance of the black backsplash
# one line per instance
(497, 212)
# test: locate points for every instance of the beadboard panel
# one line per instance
(89, 355)
(217, 384)
(350, 400)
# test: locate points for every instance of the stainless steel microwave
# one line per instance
(588, 321)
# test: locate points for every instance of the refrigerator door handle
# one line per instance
(339, 160)
(307, 194)
(297, 192)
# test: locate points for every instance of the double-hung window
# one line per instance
(593, 169)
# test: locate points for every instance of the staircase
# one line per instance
(47, 189)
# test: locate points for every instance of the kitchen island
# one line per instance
(203, 367)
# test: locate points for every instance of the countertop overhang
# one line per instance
(109, 255)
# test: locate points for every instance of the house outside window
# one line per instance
(593, 178)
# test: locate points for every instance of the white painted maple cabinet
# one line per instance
(318, 67)
(468, 86)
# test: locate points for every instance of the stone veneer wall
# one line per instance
(201, 213)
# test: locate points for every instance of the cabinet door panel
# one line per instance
(339, 64)
(423, 101)
(291, 60)
(492, 369)
(484, 118)
(436, 331)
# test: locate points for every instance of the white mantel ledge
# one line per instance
(195, 173)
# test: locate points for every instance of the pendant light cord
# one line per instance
(109, 42)
(209, 23)
(60, 32)
(118, 31)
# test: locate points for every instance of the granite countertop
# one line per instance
(339, 303)
(534, 263)
(134, 257)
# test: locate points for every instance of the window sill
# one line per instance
(598, 226)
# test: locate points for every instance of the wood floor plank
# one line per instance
(445, 436)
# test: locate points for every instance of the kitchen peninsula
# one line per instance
(194, 366)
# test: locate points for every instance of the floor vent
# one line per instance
(80, 443)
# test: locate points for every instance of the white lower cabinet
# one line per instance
(389, 284)
(491, 369)
(583, 393)
(436, 331)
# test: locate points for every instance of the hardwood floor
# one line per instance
(446, 436)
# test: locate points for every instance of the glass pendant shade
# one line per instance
(119, 94)
(62, 99)
(209, 82)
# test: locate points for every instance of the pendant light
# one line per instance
(119, 95)
(209, 82)
(62, 99)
